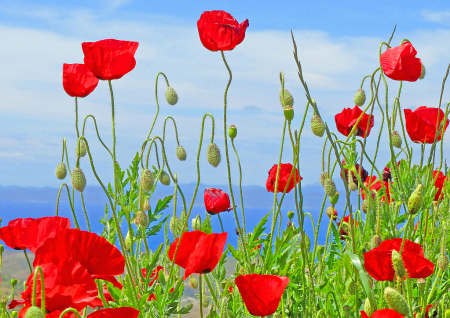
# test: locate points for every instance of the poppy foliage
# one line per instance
(421, 124)
(400, 63)
(216, 201)
(346, 119)
(78, 80)
(374, 184)
(285, 173)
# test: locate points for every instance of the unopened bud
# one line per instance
(213, 154)
(320, 250)
(290, 214)
(3, 301)
(360, 97)
(288, 99)
(331, 213)
(181, 153)
(347, 311)
(193, 282)
(13, 282)
(171, 96)
(174, 225)
(375, 242)
(422, 72)
(330, 187)
(141, 219)
(323, 177)
(415, 200)
(397, 263)
(2, 249)
(232, 131)
(334, 199)
(128, 241)
(288, 111)
(442, 262)
(352, 186)
(146, 206)
(365, 205)
(78, 179)
(80, 149)
(61, 171)
(396, 139)
(351, 287)
(196, 224)
(164, 178)
(396, 301)
(368, 308)
(205, 301)
(147, 180)
(317, 126)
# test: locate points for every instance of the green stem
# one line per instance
(85, 212)
(41, 274)
(71, 310)
(240, 186)
(156, 98)
(200, 286)
(28, 261)
(96, 130)
(100, 293)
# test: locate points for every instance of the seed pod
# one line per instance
(13, 282)
(78, 179)
(330, 187)
(213, 154)
(193, 282)
(181, 153)
(34, 312)
(368, 308)
(396, 139)
(141, 219)
(421, 282)
(288, 99)
(232, 131)
(375, 242)
(360, 97)
(415, 200)
(317, 126)
(334, 199)
(171, 96)
(323, 177)
(288, 111)
(61, 171)
(397, 263)
(396, 301)
(82, 151)
(290, 214)
(147, 180)
(164, 178)
(442, 262)
(205, 301)
(422, 72)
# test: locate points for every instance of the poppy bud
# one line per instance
(34, 312)
(13, 282)
(213, 154)
(360, 97)
(422, 72)
(183, 218)
(368, 308)
(365, 205)
(330, 187)
(307, 242)
(232, 131)
(193, 282)
(421, 282)
(442, 262)
(347, 311)
(146, 206)
(14, 314)
(352, 186)
(78, 179)
(320, 250)
(171, 96)
(147, 180)
(206, 227)
(351, 287)
(164, 178)
(396, 139)
(196, 224)
(415, 200)
(288, 223)
(375, 242)
(288, 113)
(396, 301)
(331, 213)
(397, 263)
(141, 219)
(288, 99)
(80, 149)
(174, 224)
(290, 214)
(334, 199)
(205, 301)
(317, 126)
(181, 153)
(128, 241)
(61, 171)
(323, 177)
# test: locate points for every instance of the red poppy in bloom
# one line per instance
(421, 124)
(261, 293)
(344, 230)
(346, 119)
(198, 252)
(439, 184)
(78, 80)
(110, 59)
(401, 64)
(426, 311)
(373, 184)
(382, 313)
(31, 233)
(363, 174)
(387, 176)
(102, 259)
(154, 276)
(285, 172)
(219, 31)
(216, 201)
(122, 312)
(378, 262)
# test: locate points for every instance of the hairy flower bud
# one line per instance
(213, 154)
(232, 131)
(360, 97)
(61, 171)
(415, 200)
(171, 96)
(174, 225)
(290, 214)
(330, 187)
(396, 301)
(34, 312)
(164, 178)
(442, 262)
(320, 250)
(307, 243)
(368, 307)
(351, 287)
(81, 150)
(147, 180)
(396, 139)
(193, 282)
(422, 72)
(288, 111)
(141, 219)
(205, 301)
(288, 99)
(375, 242)
(128, 241)
(323, 177)
(146, 205)
(196, 224)
(352, 186)
(365, 205)
(181, 153)
(397, 263)
(78, 179)
(317, 126)
(331, 213)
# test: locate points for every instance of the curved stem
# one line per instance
(28, 261)
(85, 212)
(41, 275)
(174, 125)
(240, 186)
(96, 130)
(70, 202)
(156, 98)
(70, 310)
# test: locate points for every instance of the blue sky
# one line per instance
(338, 45)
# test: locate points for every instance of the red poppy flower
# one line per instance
(198, 252)
(285, 172)
(344, 231)
(378, 262)
(154, 276)
(373, 184)
(31, 233)
(363, 174)
(439, 184)
(78, 80)
(387, 176)
(102, 259)
(261, 293)
(401, 64)
(110, 59)
(346, 119)
(382, 313)
(219, 31)
(121, 312)
(426, 311)
(421, 124)
(216, 201)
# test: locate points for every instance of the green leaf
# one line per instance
(362, 277)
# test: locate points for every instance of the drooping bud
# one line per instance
(288, 99)
(171, 96)
(396, 139)
(146, 206)
(317, 126)
(196, 224)
(128, 242)
(164, 178)
(396, 301)
(290, 214)
(213, 154)
(61, 171)
(181, 153)
(78, 179)
(360, 97)
(422, 72)
(232, 131)
(365, 205)
(323, 177)
(34, 312)
(288, 111)
(375, 241)
(352, 186)
(147, 180)
(141, 219)
(334, 199)
(330, 187)
(174, 225)
(415, 200)
(331, 213)
(368, 308)
(81, 150)
(205, 301)
(193, 282)
(421, 282)
(320, 250)
(442, 262)
(351, 287)
(397, 263)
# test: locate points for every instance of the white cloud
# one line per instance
(442, 17)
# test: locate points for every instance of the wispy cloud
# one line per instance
(442, 17)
